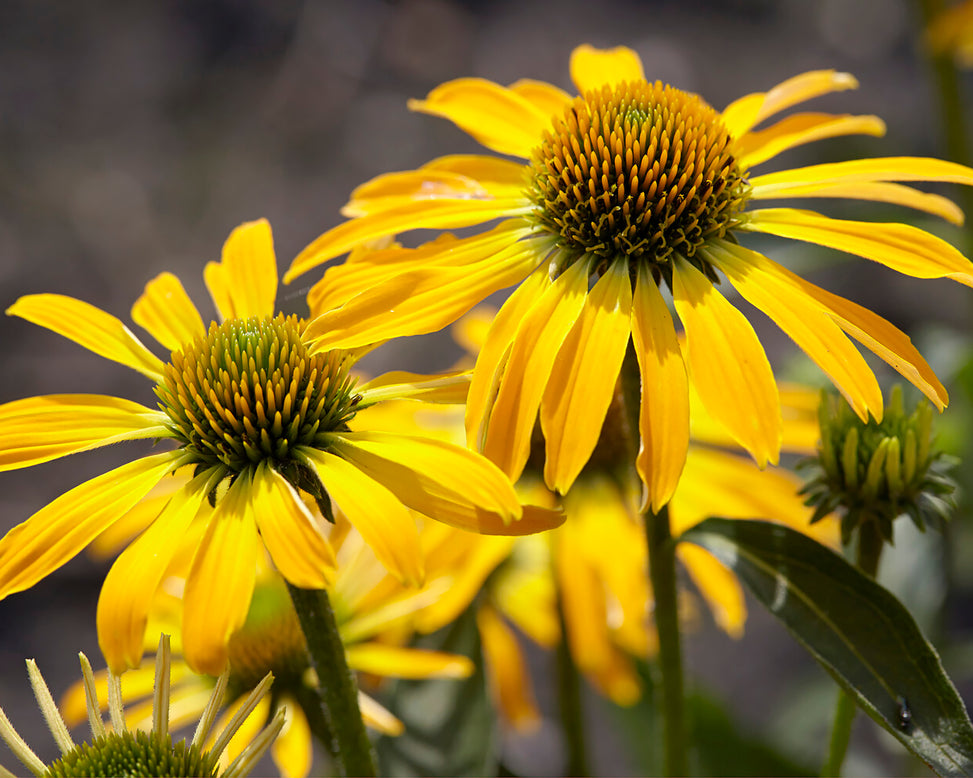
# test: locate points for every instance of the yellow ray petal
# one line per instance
(248, 730)
(166, 312)
(398, 662)
(728, 365)
(494, 173)
(422, 300)
(244, 282)
(39, 429)
(592, 68)
(901, 247)
(532, 354)
(499, 118)
(400, 385)
(549, 99)
(805, 321)
(719, 588)
(747, 112)
(292, 751)
(664, 410)
(62, 528)
(131, 583)
(376, 512)
(90, 327)
(414, 215)
(757, 147)
(865, 170)
(582, 381)
(221, 580)
(877, 191)
(378, 718)
(507, 671)
(583, 602)
(300, 551)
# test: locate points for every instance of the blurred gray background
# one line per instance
(135, 136)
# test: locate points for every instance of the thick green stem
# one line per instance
(570, 708)
(340, 729)
(870, 544)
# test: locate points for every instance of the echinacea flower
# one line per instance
(121, 750)
(627, 187)
(258, 417)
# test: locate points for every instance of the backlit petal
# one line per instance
(39, 546)
(244, 282)
(757, 147)
(300, 551)
(582, 381)
(90, 327)
(592, 68)
(400, 385)
(547, 98)
(664, 410)
(39, 429)
(166, 312)
(499, 118)
(507, 671)
(293, 751)
(719, 588)
(728, 365)
(398, 662)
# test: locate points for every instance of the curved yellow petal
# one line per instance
(866, 170)
(221, 580)
(593, 68)
(582, 600)
(293, 750)
(90, 327)
(507, 671)
(378, 718)
(805, 321)
(244, 282)
(728, 365)
(165, 311)
(130, 585)
(548, 99)
(39, 429)
(499, 118)
(448, 388)
(719, 588)
(582, 381)
(664, 409)
(743, 114)
(901, 247)
(756, 147)
(533, 352)
(399, 662)
(376, 511)
(299, 549)
(497, 175)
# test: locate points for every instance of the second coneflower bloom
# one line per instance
(628, 188)
(258, 419)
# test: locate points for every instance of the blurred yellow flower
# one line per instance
(951, 32)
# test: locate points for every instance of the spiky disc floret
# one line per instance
(250, 390)
(637, 170)
(135, 754)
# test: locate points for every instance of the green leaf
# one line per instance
(856, 629)
(449, 724)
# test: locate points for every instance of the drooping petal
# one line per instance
(90, 327)
(62, 528)
(507, 671)
(166, 312)
(582, 381)
(244, 282)
(719, 587)
(131, 583)
(499, 118)
(39, 429)
(293, 750)
(221, 580)
(548, 99)
(375, 511)
(300, 551)
(757, 147)
(592, 68)
(400, 385)
(805, 321)
(400, 662)
(901, 247)
(728, 365)
(747, 112)
(532, 354)
(664, 409)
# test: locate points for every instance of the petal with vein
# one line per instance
(400, 662)
(400, 385)
(499, 118)
(582, 381)
(165, 311)
(39, 429)
(728, 365)
(901, 247)
(300, 551)
(757, 147)
(376, 512)
(90, 327)
(592, 68)
(244, 282)
(58, 531)
(664, 409)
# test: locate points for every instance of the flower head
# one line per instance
(625, 189)
(259, 417)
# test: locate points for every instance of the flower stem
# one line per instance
(569, 706)
(870, 544)
(341, 729)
